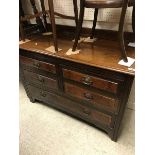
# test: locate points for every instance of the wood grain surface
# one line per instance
(102, 53)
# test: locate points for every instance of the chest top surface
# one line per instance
(103, 54)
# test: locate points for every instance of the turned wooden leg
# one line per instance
(121, 33)
(52, 18)
(94, 23)
(79, 27)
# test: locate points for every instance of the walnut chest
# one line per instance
(90, 86)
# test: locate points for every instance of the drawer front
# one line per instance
(91, 81)
(97, 100)
(39, 79)
(38, 64)
(75, 108)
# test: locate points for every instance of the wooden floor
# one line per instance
(102, 53)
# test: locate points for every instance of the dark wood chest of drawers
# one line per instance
(94, 94)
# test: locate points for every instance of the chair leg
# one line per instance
(94, 23)
(44, 15)
(121, 33)
(75, 11)
(79, 27)
(52, 18)
(133, 20)
(38, 19)
(21, 30)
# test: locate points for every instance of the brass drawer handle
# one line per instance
(42, 94)
(41, 79)
(36, 64)
(86, 111)
(87, 81)
(88, 96)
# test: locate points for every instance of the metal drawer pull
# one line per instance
(41, 79)
(36, 64)
(52, 71)
(86, 111)
(42, 94)
(87, 81)
(88, 96)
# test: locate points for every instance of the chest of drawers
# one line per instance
(93, 94)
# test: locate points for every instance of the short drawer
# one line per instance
(91, 81)
(39, 79)
(72, 107)
(38, 64)
(97, 100)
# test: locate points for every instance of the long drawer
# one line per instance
(97, 100)
(75, 108)
(88, 80)
(38, 64)
(39, 79)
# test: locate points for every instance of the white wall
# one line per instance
(107, 18)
